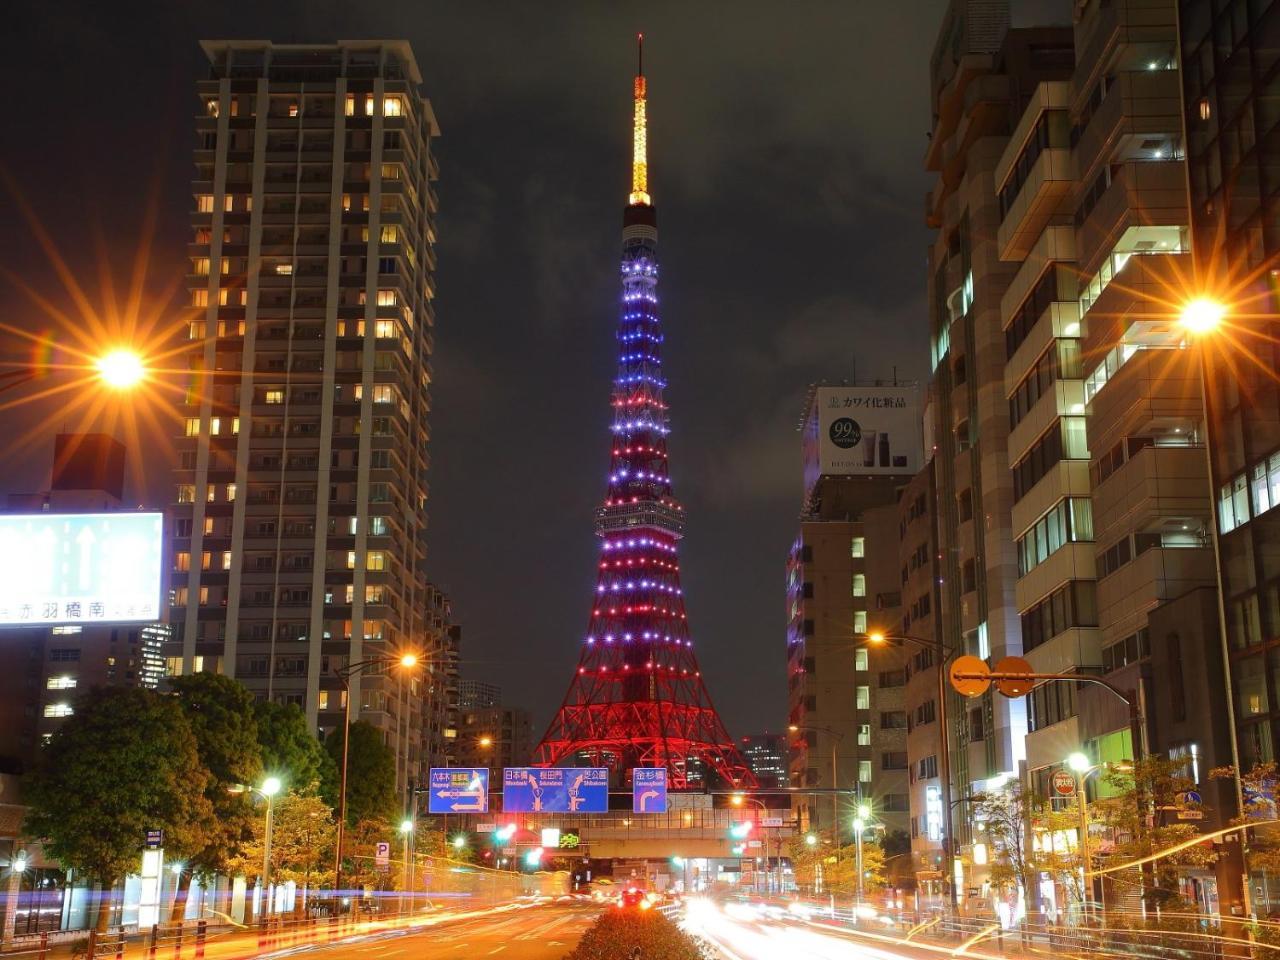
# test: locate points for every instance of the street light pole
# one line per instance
(858, 826)
(1199, 318)
(407, 660)
(270, 787)
(835, 739)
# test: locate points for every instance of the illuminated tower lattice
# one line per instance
(637, 699)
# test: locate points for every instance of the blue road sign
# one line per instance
(649, 790)
(458, 790)
(555, 790)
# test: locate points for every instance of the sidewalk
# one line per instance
(202, 940)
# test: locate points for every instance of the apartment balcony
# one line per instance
(1057, 244)
(1148, 193)
(1134, 305)
(1154, 485)
(1155, 393)
(1140, 113)
(1119, 33)
(1151, 578)
(1067, 478)
(1067, 651)
(1041, 198)
(1071, 561)
(1064, 398)
(1051, 745)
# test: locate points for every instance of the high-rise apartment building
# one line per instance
(921, 596)
(981, 76)
(846, 705)
(495, 737)
(477, 694)
(300, 497)
(767, 754)
(1230, 54)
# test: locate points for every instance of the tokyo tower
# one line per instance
(637, 698)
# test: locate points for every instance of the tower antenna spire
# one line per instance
(639, 136)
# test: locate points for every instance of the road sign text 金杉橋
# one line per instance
(458, 790)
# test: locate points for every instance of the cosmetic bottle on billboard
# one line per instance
(869, 448)
(884, 449)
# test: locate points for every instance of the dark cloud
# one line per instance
(786, 148)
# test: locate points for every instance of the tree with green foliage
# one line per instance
(220, 712)
(1141, 813)
(291, 752)
(371, 773)
(303, 833)
(124, 763)
(359, 848)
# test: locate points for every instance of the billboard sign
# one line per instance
(555, 790)
(649, 790)
(863, 430)
(458, 790)
(80, 568)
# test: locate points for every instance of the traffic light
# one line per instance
(677, 862)
(740, 831)
(534, 857)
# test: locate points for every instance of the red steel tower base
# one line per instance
(637, 699)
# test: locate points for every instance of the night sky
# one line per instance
(785, 162)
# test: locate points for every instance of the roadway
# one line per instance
(542, 932)
(743, 934)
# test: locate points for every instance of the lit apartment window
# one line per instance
(346, 203)
(859, 585)
(199, 298)
(350, 109)
(228, 203)
(273, 396)
(864, 734)
(861, 660)
(204, 596)
(58, 710)
(377, 526)
(223, 295)
(368, 105)
(196, 330)
(215, 426)
(863, 698)
(322, 699)
(383, 393)
(388, 298)
(1205, 110)
(231, 488)
(390, 233)
(204, 203)
(182, 561)
(353, 525)
(293, 109)
(391, 171)
(859, 621)
(211, 106)
(864, 771)
(206, 558)
(375, 560)
(226, 559)
(350, 594)
(173, 666)
(357, 391)
(208, 526)
(384, 329)
(200, 266)
(392, 107)
(351, 562)
(858, 547)
(60, 683)
(186, 493)
(284, 269)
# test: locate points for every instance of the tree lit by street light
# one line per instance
(1202, 315)
(121, 369)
